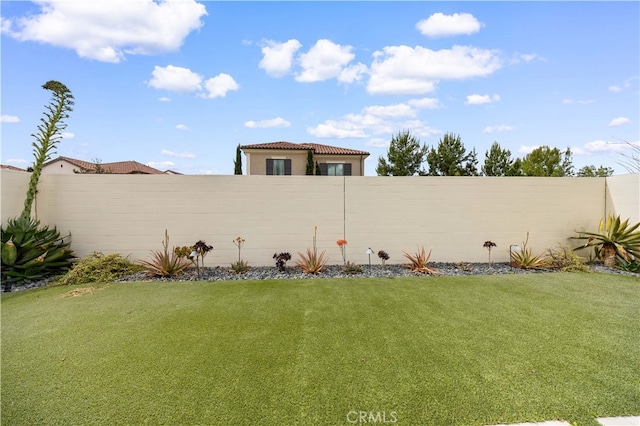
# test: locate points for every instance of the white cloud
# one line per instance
(219, 85)
(601, 147)
(407, 70)
(17, 161)
(107, 31)
(9, 119)
(277, 58)
(182, 127)
(425, 103)
(177, 79)
(397, 110)
(161, 165)
(518, 58)
(569, 101)
(619, 121)
(271, 123)
(353, 73)
(323, 61)
(185, 154)
(379, 142)
(481, 99)
(68, 135)
(376, 120)
(499, 128)
(625, 85)
(527, 149)
(164, 99)
(441, 25)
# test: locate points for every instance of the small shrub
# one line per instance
(629, 265)
(165, 263)
(240, 267)
(419, 262)
(351, 268)
(463, 266)
(384, 256)
(281, 260)
(564, 259)
(97, 268)
(524, 258)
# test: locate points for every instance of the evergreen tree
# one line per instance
(237, 163)
(451, 158)
(591, 171)
(318, 172)
(404, 157)
(546, 161)
(497, 161)
(310, 168)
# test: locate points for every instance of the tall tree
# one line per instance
(310, 165)
(497, 161)
(546, 161)
(451, 158)
(48, 136)
(404, 157)
(591, 171)
(237, 163)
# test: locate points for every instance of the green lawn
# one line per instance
(473, 350)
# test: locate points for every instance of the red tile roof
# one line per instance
(10, 167)
(119, 167)
(316, 147)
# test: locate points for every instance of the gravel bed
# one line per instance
(220, 273)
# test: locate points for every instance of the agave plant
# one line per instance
(615, 240)
(312, 262)
(32, 252)
(419, 262)
(525, 259)
(165, 263)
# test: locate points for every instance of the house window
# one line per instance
(335, 169)
(278, 166)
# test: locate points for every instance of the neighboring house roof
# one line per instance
(316, 147)
(118, 167)
(9, 167)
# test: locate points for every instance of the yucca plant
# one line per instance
(615, 240)
(525, 259)
(165, 263)
(419, 262)
(32, 252)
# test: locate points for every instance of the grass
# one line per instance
(475, 350)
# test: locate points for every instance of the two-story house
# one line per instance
(287, 158)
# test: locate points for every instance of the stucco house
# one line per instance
(66, 165)
(287, 158)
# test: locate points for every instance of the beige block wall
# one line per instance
(623, 196)
(452, 215)
(13, 189)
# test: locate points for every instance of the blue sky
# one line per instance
(179, 84)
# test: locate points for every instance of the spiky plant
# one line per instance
(31, 252)
(615, 240)
(419, 262)
(165, 263)
(525, 259)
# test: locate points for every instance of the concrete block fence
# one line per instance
(453, 216)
